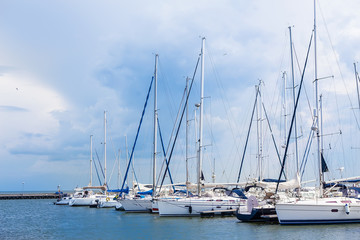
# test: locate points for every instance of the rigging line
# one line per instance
(272, 135)
(102, 170)
(225, 101)
(137, 134)
(339, 122)
(338, 65)
(135, 176)
(342, 78)
(181, 118)
(165, 159)
(115, 162)
(285, 44)
(294, 113)
(248, 134)
(213, 143)
(306, 94)
(174, 127)
(176, 120)
(265, 130)
(307, 151)
(167, 89)
(97, 173)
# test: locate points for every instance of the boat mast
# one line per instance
(285, 114)
(105, 181)
(293, 87)
(118, 185)
(90, 184)
(187, 139)
(321, 176)
(155, 125)
(259, 131)
(201, 118)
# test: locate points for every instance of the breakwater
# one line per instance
(28, 196)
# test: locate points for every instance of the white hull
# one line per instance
(63, 201)
(107, 203)
(319, 211)
(87, 201)
(104, 201)
(137, 205)
(195, 206)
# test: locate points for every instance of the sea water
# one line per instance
(41, 219)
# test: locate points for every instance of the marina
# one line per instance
(231, 134)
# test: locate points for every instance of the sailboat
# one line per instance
(213, 202)
(323, 209)
(101, 196)
(142, 201)
(260, 205)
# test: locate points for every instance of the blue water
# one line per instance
(40, 219)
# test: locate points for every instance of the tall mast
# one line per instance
(187, 139)
(201, 117)
(105, 181)
(118, 185)
(259, 131)
(90, 184)
(155, 125)
(285, 114)
(293, 88)
(321, 127)
(321, 177)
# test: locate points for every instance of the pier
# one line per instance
(29, 196)
(222, 213)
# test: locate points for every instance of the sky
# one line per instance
(63, 63)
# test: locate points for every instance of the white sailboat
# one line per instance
(143, 203)
(323, 209)
(106, 200)
(87, 197)
(215, 201)
(101, 198)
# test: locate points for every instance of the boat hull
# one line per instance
(258, 214)
(196, 206)
(109, 203)
(63, 201)
(323, 211)
(136, 205)
(79, 202)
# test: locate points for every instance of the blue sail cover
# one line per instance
(239, 192)
(146, 192)
(126, 190)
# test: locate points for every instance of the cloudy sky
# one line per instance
(63, 63)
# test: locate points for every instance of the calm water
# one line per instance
(40, 219)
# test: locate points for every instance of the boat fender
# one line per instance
(347, 208)
(190, 209)
(107, 199)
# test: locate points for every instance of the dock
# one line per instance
(222, 213)
(29, 196)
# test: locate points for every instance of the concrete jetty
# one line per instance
(29, 196)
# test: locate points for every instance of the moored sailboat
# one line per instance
(216, 201)
(324, 208)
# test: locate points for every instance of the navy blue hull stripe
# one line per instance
(320, 221)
